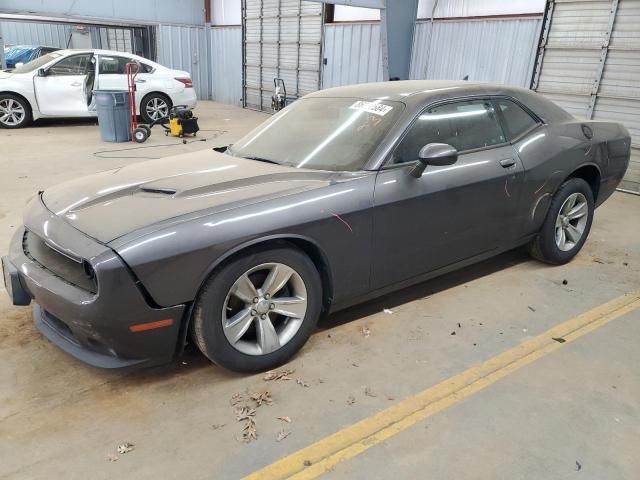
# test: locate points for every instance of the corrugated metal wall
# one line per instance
(184, 48)
(352, 53)
(471, 8)
(589, 63)
(30, 33)
(495, 50)
(149, 11)
(226, 64)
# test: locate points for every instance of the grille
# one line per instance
(79, 274)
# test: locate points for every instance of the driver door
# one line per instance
(450, 213)
(63, 91)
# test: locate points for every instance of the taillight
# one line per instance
(186, 81)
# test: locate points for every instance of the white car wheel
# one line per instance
(14, 112)
(155, 107)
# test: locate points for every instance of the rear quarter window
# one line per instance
(515, 119)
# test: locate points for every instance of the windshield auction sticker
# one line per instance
(371, 107)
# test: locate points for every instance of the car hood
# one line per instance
(114, 203)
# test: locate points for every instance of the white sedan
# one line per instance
(61, 84)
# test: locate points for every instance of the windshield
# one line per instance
(337, 134)
(37, 63)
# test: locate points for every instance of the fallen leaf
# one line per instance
(218, 426)
(249, 431)
(284, 419)
(282, 435)
(280, 375)
(112, 458)
(366, 331)
(351, 400)
(237, 398)
(307, 463)
(369, 393)
(261, 397)
(244, 413)
(388, 311)
(302, 383)
(559, 339)
(531, 308)
(125, 447)
(578, 466)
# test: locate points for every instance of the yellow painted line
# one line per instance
(355, 439)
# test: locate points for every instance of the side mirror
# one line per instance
(436, 154)
(42, 72)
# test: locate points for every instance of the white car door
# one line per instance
(65, 89)
(112, 75)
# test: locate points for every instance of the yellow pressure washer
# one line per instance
(179, 123)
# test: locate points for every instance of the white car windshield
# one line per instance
(338, 134)
(37, 63)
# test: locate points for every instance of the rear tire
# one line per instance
(242, 326)
(15, 111)
(155, 106)
(567, 224)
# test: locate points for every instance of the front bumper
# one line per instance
(102, 328)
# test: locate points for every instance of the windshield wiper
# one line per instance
(260, 159)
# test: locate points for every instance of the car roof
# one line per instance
(418, 92)
(69, 51)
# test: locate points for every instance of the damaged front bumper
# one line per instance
(105, 319)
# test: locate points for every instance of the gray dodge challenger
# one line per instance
(346, 194)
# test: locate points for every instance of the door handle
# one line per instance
(507, 162)
(587, 132)
(76, 84)
(140, 80)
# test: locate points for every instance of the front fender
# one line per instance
(17, 88)
(172, 263)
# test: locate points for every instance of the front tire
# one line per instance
(567, 224)
(257, 311)
(155, 106)
(15, 112)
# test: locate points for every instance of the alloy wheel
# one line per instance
(264, 309)
(571, 221)
(12, 113)
(157, 108)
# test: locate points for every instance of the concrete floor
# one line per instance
(60, 418)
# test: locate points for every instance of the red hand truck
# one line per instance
(138, 133)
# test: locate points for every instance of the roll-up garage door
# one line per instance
(589, 63)
(281, 39)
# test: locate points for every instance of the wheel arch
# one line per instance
(309, 246)
(306, 244)
(16, 94)
(591, 174)
(156, 92)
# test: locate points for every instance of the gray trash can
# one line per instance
(113, 114)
